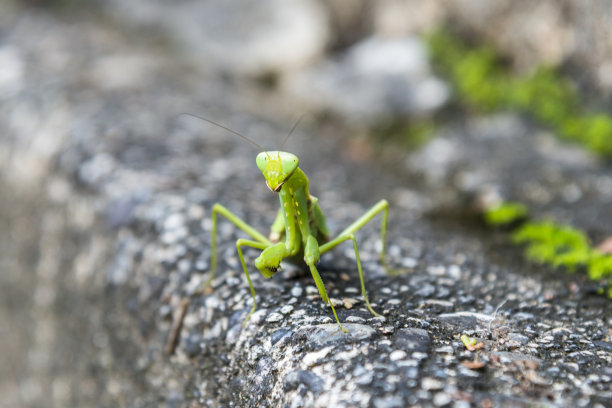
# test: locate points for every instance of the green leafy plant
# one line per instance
(563, 246)
(483, 82)
(553, 244)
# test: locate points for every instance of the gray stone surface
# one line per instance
(572, 34)
(105, 196)
(237, 36)
(374, 78)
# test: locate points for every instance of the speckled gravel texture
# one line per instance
(115, 190)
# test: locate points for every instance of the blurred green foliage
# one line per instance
(505, 214)
(484, 82)
(418, 133)
(411, 134)
(556, 245)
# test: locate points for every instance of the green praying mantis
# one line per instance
(299, 233)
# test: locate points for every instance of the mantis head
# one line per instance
(276, 167)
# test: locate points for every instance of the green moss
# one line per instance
(553, 244)
(563, 246)
(546, 95)
(475, 73)
(419, 132)
(505, 214)
(556, 245)
(483, 82)
(600, 266)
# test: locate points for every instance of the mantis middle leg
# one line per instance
(260, 242)
(253, 244)
(238, 222)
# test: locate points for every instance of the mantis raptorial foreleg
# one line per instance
(323, 292)
(278, 227)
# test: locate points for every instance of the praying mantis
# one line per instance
(299, 233)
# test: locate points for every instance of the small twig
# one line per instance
(176, 327)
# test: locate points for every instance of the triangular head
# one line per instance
(276, 167)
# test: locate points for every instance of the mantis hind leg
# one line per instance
(381, 206)
(359, 269)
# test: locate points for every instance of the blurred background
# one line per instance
(392, 84)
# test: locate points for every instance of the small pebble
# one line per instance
(274, 317)
(355, 319)
(174, 221)
(454, 271)
(296, 291)
(410, 263)
(431, 384)
(441, 399)
(397, 355)
(286, 309)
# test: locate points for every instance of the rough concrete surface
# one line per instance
(105, 198)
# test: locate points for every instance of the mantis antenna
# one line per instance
(297, 122)
(230, 130)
